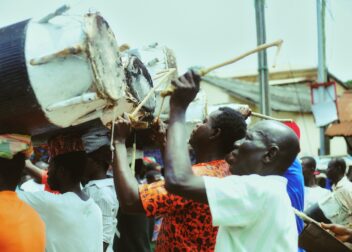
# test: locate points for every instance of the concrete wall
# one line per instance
(309, 131)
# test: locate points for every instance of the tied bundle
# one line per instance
(12, 144)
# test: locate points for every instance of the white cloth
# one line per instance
(313, 195)
(32, 186)
(343, 192)
(253, 214)
(102, 191)
(72, 225)
(338, 207)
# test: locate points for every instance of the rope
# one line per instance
(112, 148)
(134, 151)
(270, 118)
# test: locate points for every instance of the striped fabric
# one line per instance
(11, 144)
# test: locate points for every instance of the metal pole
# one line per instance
(322, 73)
(262, 59)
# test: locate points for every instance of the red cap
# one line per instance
(294, 127)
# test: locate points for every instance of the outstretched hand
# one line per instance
(341, 233)
(186, 89)
(122, 128)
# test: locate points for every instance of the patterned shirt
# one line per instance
(187, 225)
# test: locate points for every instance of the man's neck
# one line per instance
(311, 182)
(338, 180)
(7, 188)
(209, 154)
(99, 175)
(75, 188)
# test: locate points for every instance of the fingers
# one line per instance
(185, 82)
(327, 226)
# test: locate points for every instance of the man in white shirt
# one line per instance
(312, 192)
(251, 208)
(338, 207)
(73, 221)
(98, 186)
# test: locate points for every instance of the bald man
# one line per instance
(251, 208)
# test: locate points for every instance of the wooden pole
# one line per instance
(202, 72)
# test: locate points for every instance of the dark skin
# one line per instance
(93, 171)
(10, 175)
(34, 171)
(309, 177)
(125, 183)
(268, 149)
(341, 233)
(61, 181)
(335, 172)
(205, 141)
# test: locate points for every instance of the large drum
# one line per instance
(159, 60)
(61, 71)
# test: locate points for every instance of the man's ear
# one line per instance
(270, 154)
(215, 133)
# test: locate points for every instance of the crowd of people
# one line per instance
(239, 194)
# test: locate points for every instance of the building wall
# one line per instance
(309, 131)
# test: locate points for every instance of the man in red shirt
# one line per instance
(187, 225)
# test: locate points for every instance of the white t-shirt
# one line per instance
(103, 193)
(338, 206)
(72, 225)
(32, 186)
(313, 195)
(254, 214)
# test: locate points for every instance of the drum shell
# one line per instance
(35, 99)
(19, 109)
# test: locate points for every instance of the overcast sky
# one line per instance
(206, 32)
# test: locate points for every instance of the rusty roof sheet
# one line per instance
(344, 104)
(339, 129)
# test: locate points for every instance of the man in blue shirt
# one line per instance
(295, 183)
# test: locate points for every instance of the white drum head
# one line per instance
(105, 59)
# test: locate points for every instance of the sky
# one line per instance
(207, 32)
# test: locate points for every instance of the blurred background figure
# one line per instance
(98, 185)
(34, 184)
(312, 191)
(336, 208)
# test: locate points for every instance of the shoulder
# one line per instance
(217, 168)
(36, 196)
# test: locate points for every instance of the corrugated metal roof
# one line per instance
(339, 129)
(292, 98)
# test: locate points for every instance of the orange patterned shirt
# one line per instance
(187, 225)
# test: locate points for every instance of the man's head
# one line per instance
(98, 162)
(66, 170)
(269, 148)
(336, 169)
(223, 127)
(308, 168)
(11, 171)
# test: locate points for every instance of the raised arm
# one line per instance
(125, 183)
(33, 171)
(179, 178)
